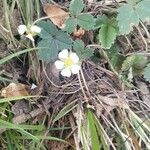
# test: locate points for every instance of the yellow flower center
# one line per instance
(68, 62)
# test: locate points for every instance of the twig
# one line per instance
(84, 82)
(146, 31)
(4, 28)
(146, 46)
(82, 88)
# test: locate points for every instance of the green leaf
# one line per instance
(86, 21)
(65, 110)
(116, 61)
(7, 125)
(107, 35)
(87, 53)
(140, 128)
(82, 52)
(93, 131)
(7, 58)
(143, 9)
(130, 14)
(78, 45)
(147, 72)
(101, 134)
(9, 99)
(132, 2)
(138, 62)
(127, 17)
(128, 63)
(48, 29)
(53, 41)
(71, 24)
(100, 20)
(51, 138)
(76, 6)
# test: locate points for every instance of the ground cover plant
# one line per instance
(75, 74)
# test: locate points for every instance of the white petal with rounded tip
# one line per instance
(33, 86)
(35, 29)
(75, 69)
(22, 29)
(63, 54)
(29, 36)
(59, 64)
(66, 72)
(74, 57)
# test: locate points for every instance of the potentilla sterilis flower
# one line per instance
(68, 63)
(29, 32)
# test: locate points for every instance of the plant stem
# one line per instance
(110, 65)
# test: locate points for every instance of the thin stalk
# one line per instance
(110, 65)
(82, 89)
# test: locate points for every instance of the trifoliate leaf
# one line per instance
(86, 21)
(76, 6)
(107, 34)
(82, 52)
(71, 24)
(147, 72)
(129, 15)
(53, 41)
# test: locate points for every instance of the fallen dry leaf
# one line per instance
(57, 15)
(14, 90)
(79, 33)
(20, 107)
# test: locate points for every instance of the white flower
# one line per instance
(35, 29)
(29, 32)
(22, 29)
(68, 63)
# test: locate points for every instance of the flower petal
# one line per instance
(59, 64)
(35, 29)
(63, 54)
(22, 29)
(29, 36)
(75, 69)
(74, 57)
(66, 72)
(33, 86)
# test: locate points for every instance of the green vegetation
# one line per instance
(104, 104)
